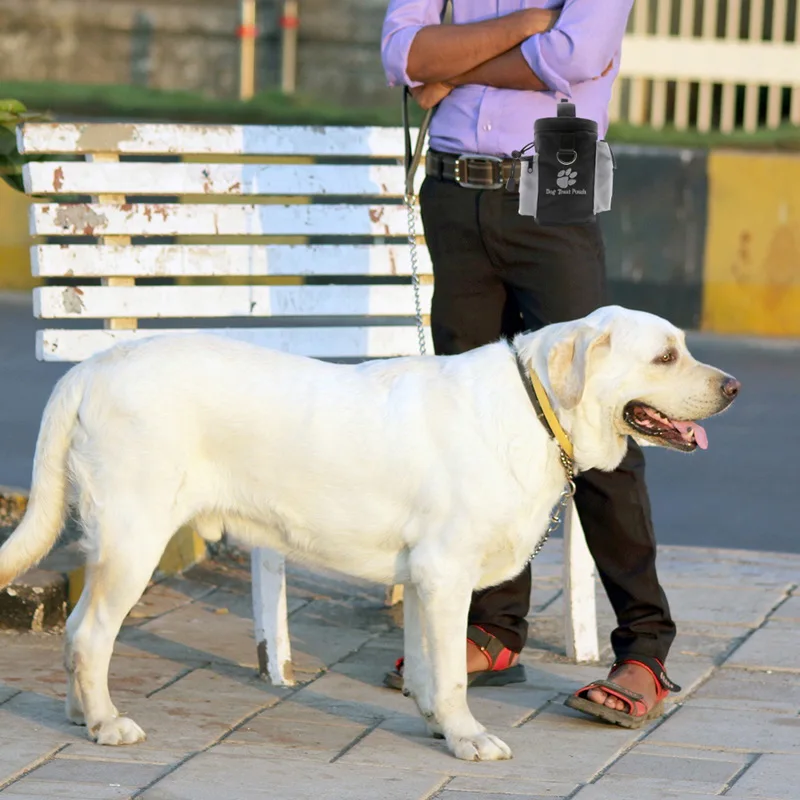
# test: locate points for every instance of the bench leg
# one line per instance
(580, 609)
(270, 616)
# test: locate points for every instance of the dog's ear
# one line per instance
(569, 361)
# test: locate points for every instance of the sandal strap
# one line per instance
(655, 668)
(636, 705)
(496, 653)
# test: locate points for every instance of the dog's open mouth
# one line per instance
(680, 434)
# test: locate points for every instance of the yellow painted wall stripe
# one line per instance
(752, 260)
(15, 242)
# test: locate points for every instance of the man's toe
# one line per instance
(598, 696)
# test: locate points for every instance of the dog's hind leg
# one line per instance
(444, 598)
(116, 577)
(417, 682)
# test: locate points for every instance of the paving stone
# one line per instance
(7, 692)
(211, 776)
(207, 635)
(707, 572)
(20, 751)
(775, 777)
(480, 788)
(729, 729)
(544, 591)
(713, 774)
(68, 770)
(548, 748)
(197, 710)
(143, 753)
(772, 647)
(166, 596)
(134, 676)
(693, 644)
(790, 610)
(759, 690)
(348, 696)
(721, 605)
(186, 673)
(447, 794)
(30, 788)
(613, 788)
(39, 718)
(307, 733)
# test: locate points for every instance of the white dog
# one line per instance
(432, 472)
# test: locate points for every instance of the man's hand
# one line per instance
(431, 94)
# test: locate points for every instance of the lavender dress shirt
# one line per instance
(482, 119)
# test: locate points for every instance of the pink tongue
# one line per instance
(700, 435)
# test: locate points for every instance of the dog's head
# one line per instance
(619, 373)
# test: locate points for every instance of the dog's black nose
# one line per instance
(730, 387)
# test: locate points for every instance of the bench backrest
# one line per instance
(295, 236)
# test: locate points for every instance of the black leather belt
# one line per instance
(470, 170)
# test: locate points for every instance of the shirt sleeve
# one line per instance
(585, 38)
(404, 18)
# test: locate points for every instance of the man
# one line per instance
(492, 74)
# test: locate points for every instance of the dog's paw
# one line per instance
(114, 732)
(481, 747)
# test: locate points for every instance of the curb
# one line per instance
(41, 599)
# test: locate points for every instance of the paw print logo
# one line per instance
(565, 178)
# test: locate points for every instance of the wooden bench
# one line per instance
(294, 238)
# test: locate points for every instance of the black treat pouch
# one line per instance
(570, 177)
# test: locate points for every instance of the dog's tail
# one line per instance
(47, 504)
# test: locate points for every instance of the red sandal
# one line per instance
(499, 671)
(637, 713)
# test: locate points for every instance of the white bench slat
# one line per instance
(130, 178)
(350, 342)
(234, 260)
(166, 139)
(156, 219)
(143, 302)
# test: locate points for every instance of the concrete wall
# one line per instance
(192, 45)
(752, 256)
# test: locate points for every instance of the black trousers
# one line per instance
(498, 273)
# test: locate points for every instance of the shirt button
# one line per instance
(487, 126)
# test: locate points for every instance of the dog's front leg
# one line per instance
(444, 605)
(417, 676)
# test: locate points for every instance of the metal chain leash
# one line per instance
(410, 200)
(567, 493)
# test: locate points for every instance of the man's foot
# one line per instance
(633, 694)
(634, 677)
(489, 662)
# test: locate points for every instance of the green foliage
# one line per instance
(13, 113)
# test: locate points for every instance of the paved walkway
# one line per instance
(184, 669)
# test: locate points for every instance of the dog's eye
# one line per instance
(667, 357)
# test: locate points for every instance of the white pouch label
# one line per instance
(529, 187)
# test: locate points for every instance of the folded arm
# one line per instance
(581, 46)
(416, 48)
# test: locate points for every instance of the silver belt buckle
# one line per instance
(462, 171)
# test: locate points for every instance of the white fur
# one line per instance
(434, 472)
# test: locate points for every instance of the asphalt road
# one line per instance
(743, 492)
